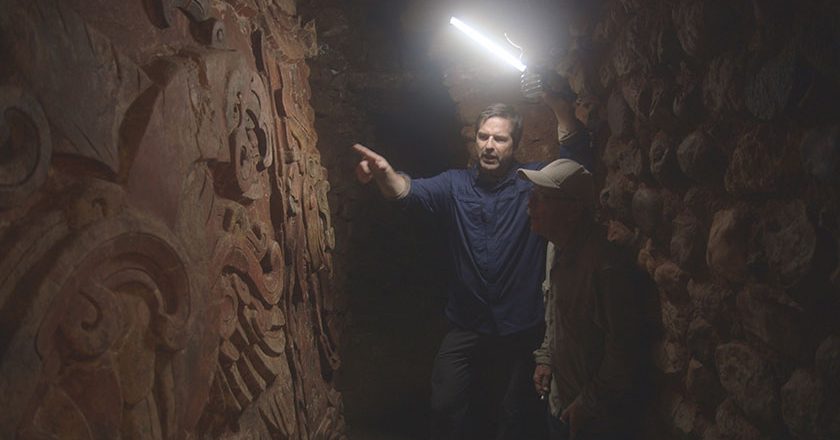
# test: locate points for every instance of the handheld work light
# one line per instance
(489, 45)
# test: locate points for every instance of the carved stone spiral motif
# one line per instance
(251, 148)
(115, 337)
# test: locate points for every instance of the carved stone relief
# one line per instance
(248, 114)
(57, 48)
(114, 338)
(99, 336)
(253, 365)
(166, 264)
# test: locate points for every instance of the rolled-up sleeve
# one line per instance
(431, 194)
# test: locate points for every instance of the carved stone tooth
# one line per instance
(229, 397)
(239, 338)
(228, 352)
(237, 386)
(270, 333)
(249, 324)
(255, 383)
(267, 365)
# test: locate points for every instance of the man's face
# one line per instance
(494, 143)
(553, 214)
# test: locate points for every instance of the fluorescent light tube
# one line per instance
(489, 45)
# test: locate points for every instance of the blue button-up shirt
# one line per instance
(499, 263)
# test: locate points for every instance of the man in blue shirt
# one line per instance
(495, 300)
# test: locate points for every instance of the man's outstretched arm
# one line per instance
(372, 166)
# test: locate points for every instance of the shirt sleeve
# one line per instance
(542, 355)
(430, 194)
(621, 318)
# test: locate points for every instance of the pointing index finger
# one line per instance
(364, 151)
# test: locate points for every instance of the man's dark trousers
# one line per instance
(484, 381)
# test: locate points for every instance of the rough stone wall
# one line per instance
(165, 236)
(718, 131)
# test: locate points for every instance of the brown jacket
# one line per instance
(593, 330)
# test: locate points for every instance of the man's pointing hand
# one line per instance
(371, 165)
(375, 167)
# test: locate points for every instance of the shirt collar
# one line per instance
(506, 179)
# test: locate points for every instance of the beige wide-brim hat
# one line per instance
(564, 175)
